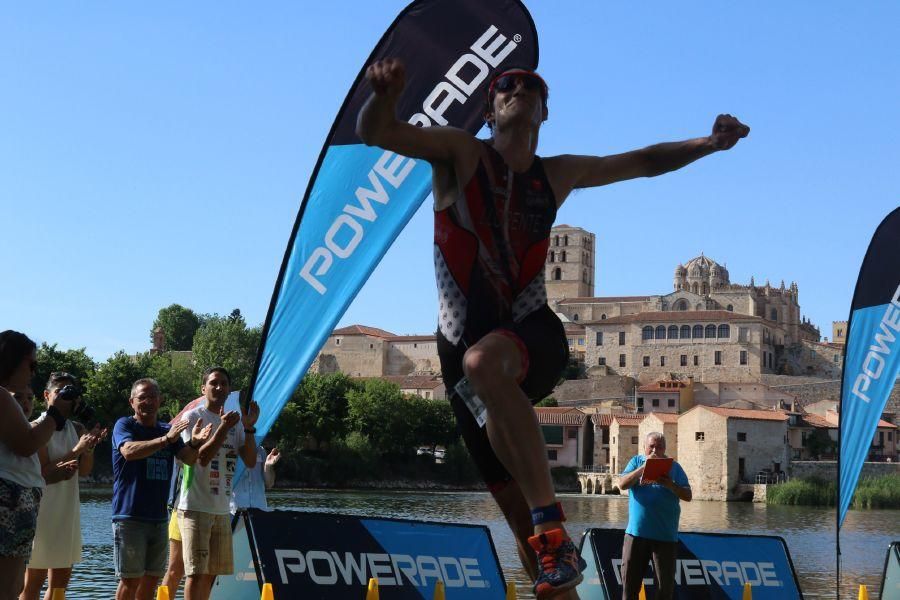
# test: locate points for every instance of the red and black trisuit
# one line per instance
(490, 247)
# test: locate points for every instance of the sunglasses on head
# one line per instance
(506, 82)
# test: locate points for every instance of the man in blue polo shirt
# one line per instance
(143, 452)
(653, 513)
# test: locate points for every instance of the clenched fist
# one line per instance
(387, 76)
(726, 132)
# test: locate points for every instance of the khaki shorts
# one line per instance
(174, 532)
(205, 543)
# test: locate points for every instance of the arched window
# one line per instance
(705, 288)
(603, 316)
(575, 317)
(711, 331)
(552, 256)
(565, 240)
(730, 308)
(584, 276)
(673, 332)
(557, 274)
(647, 333)
(556, 240)
(562, 256)
(724, 331)
(685, 332)
(774, 314)
(681, 305)
(660, 332)
(698, 332)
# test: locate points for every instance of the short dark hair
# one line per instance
(209, 371)
(60, 377)
(144, 381)
(14, 348)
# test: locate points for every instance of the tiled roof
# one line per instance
(817, 422)
(753, 415)
(665, 417)
(602, 420)
(678, 316)
(835, 421)
(363, 330)
(552, 415)
(604, 299)
(412, 338)
(573, 328)
(629, 420)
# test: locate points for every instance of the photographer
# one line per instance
(20, 476)
(68, 456)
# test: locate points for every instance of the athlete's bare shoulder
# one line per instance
(449, 179)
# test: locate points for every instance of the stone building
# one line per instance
(569, 269)
(624, 440)
(601, 422)
(361, 351)
(758, 325)
(663, 396)
(567, 433)
(722, 448)
(664, 423)
(430, 387)
(839, 332)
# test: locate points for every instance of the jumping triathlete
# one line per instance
(499, 343)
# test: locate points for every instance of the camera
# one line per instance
(81, 410)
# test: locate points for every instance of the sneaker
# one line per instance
(559, 563)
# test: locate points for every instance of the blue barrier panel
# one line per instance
(322, 555)
(710, 565)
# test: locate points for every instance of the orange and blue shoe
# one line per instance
(559, 564)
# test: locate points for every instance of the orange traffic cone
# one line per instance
(162, 592)
(642, 595)
(267, 592)
(511, 591)
(748, 595)
(863, 593)
(439, 591)
(372, 592)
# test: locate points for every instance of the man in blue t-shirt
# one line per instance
(142, 456)
(653, 512)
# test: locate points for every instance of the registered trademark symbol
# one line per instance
(517, 38)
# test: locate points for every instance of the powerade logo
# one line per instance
(692, 572)
(347, 230)
(880, 350)
(324, 567)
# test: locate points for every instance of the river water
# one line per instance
(809, 532)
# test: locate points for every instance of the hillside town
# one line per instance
(742, 385)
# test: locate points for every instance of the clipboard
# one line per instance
(654, 467)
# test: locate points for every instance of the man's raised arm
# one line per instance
(377, 124)
(568, 172)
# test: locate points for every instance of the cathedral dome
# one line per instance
(701, 264)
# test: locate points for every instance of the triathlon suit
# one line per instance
(490, 247)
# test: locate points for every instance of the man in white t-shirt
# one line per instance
(203, 508)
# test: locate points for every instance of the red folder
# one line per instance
(654, 467)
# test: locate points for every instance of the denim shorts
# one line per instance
(18, 519)
(140, 548)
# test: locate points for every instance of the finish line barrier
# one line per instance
(330, 556)
(710, 565)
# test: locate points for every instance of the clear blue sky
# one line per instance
(157, 153)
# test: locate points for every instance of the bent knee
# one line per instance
(488, 362)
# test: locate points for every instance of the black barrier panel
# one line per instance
(890, 579)
(710, 565)
(322, 555)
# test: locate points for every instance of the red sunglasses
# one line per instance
(506, 82)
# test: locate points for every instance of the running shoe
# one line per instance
(559, 563)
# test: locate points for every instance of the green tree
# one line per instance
(436, 422)
(178, 378)
(227, 342)
(76, 362)
(317, 410)
(549, 401)
(179, 324)
(379, 411)
(109, 388)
